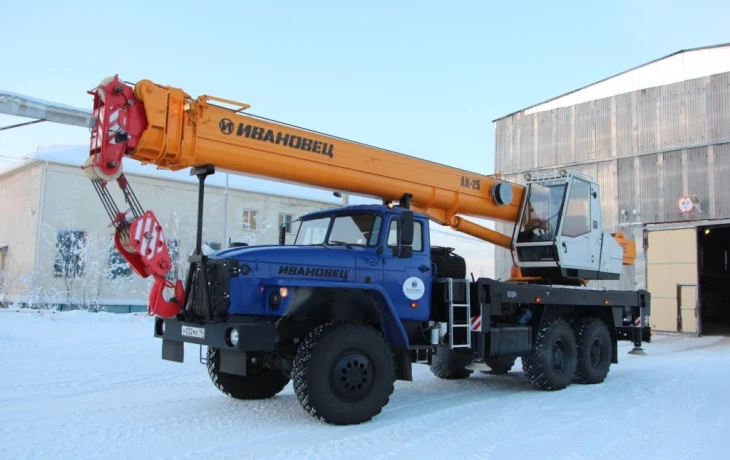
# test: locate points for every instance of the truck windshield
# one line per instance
(356, 230)
(312, 232)
(542, 216)
(347, 230)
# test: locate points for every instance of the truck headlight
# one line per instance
(274, 300)
(233, 337)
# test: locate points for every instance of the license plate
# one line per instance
(196, 332)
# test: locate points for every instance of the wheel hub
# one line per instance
(352, 376)
(559, 357)
(596, 352)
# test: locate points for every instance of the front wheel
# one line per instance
(344, 373)
(264, 385)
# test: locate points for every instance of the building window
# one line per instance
(118, 265)
(3, 255)
(173, 248)
(286, 219)
(70, 248)
(249, 219)
(213, 245)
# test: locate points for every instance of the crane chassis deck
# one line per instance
(564, 334)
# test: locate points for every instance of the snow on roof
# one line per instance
(679, 66)
(75, 155)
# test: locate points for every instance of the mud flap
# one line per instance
(173, 351)
(233, 362)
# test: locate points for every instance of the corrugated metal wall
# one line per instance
(645, 149)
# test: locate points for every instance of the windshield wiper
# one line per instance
(340, 243)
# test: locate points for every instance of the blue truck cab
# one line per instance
(342, 252)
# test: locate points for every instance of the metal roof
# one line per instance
(700, 48)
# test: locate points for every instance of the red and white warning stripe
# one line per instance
(637, 321)
(476, 323)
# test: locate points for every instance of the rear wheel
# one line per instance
(266, 384)
(551, 363)
(449, 364)
(594, 351)
(499, 365)
(344, 373)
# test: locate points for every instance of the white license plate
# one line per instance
(196, 332)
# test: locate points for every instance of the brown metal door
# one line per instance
(671, 260)
(687, 309)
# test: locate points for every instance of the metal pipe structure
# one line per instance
(29, 107)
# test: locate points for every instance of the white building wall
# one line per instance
(69, 202)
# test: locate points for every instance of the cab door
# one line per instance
(580, 230)
(408, 280)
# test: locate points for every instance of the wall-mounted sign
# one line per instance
(685, 204)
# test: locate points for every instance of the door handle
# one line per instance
(565, 248)
(423, 268)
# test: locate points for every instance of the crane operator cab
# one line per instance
(558, 235)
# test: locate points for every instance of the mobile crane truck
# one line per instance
(361, 294)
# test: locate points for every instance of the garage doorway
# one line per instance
(713, 257)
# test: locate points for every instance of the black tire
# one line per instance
(344, 373)
(265, 385)
(595, 351)
(551, 363)
(499, 365)
(448, 364)
(448, 264)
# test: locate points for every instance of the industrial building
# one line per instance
(656, 138)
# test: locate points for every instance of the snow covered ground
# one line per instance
(83, 385)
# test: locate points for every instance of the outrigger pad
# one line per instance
(637, 351)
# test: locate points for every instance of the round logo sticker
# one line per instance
(413, 288)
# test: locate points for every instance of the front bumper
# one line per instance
(254, 334)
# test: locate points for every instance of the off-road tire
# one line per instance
(594, 351)
(448, 264)
(448, 364)
(545, 368)
(265, 385)
(499, 365)
(344, 373)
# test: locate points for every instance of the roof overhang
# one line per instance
(715, 66)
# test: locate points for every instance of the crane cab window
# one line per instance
(417, 235)
(578, 213)
(542, 214)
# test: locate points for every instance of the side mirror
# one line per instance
(282, 234)
(404, 248)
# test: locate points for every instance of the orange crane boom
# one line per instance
(165, 126)
(175, 131)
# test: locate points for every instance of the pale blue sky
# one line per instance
(422, 78)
